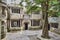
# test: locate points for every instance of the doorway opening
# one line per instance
(26, 26)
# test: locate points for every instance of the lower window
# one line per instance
(35, 22)
(15, 23)
(55, 25)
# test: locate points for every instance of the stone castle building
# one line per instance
(16, 18)
(13, 17)
(19, 19)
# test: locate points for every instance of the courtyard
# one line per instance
(30, 35)
(21, 19)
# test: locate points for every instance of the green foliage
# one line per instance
(58, 13)
(38, 1)
(54, 6)
(33, 8)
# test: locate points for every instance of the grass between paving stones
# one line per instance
(38, 28)
(38, 38)
(15, 30)
(55, 31)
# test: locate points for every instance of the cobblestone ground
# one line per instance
(29, 35)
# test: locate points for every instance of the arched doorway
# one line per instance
(26, 26)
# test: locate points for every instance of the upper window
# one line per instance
(3, 11)
(15, 23)
(14, 10)
(35, 22)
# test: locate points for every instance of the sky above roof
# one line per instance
(13, 1)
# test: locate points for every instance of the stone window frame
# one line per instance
(33, 24)
(18, 21)
(15, 9)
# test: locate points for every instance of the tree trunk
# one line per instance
(42, 4)
(45, 33)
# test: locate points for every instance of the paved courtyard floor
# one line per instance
(30, 35)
